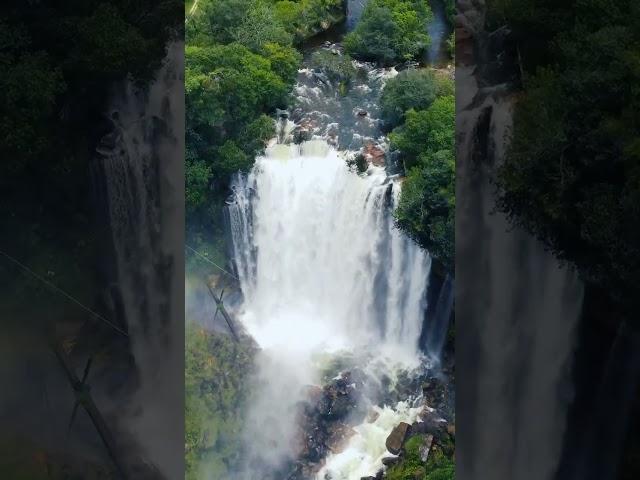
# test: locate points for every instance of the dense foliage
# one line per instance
(216, 368)
(58, 64)
(241, 63)
(426, 211)
(411, 89)
(391, 31)
(53, 55)
(572, 171)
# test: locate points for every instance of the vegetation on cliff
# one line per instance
(391, 31)
(571, 172)
(438, 466)
(420, 104)
(241, 63)
(216, 369)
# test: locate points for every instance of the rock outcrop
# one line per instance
(397, 437)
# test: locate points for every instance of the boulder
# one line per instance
(425, 448)
(374, 154)
(396, 438)
(390, 461)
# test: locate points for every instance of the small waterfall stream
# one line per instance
(138, 173)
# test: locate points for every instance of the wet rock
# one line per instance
(362, 113)
(431, 423)
(435, 392)
(396, 438)
(390, 461)
(374, 154)
(407, 65)
(425, 448)
(325, 421)
(339, 435)
(372, 416)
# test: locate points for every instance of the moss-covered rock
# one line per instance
(439, 463)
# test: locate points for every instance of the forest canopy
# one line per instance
(571, 173)
(391, 31)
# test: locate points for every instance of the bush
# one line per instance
(426, 210)
(338, 67)
(391, 31)
(305, 18)
(427, 131)
(410, 89)
(215, 393)
(259, 27)
(438, 465)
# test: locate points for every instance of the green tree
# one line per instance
(410, 89)
(391, 31)
(427, 131)
(197, 178)
(284, 59)
(259, 27)
(426, 210)
(570, 176)
(228, 85)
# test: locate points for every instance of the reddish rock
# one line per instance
(374, 154)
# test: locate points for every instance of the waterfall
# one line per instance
(435, 332)
(437, 29)
(323, 238)
(323, 270)
(139, 174)
(354, 12)
(516, 307)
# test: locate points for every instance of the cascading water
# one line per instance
(518, 308)
(139, 175)
(437, 29)
(323, 270)
(325, 241)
